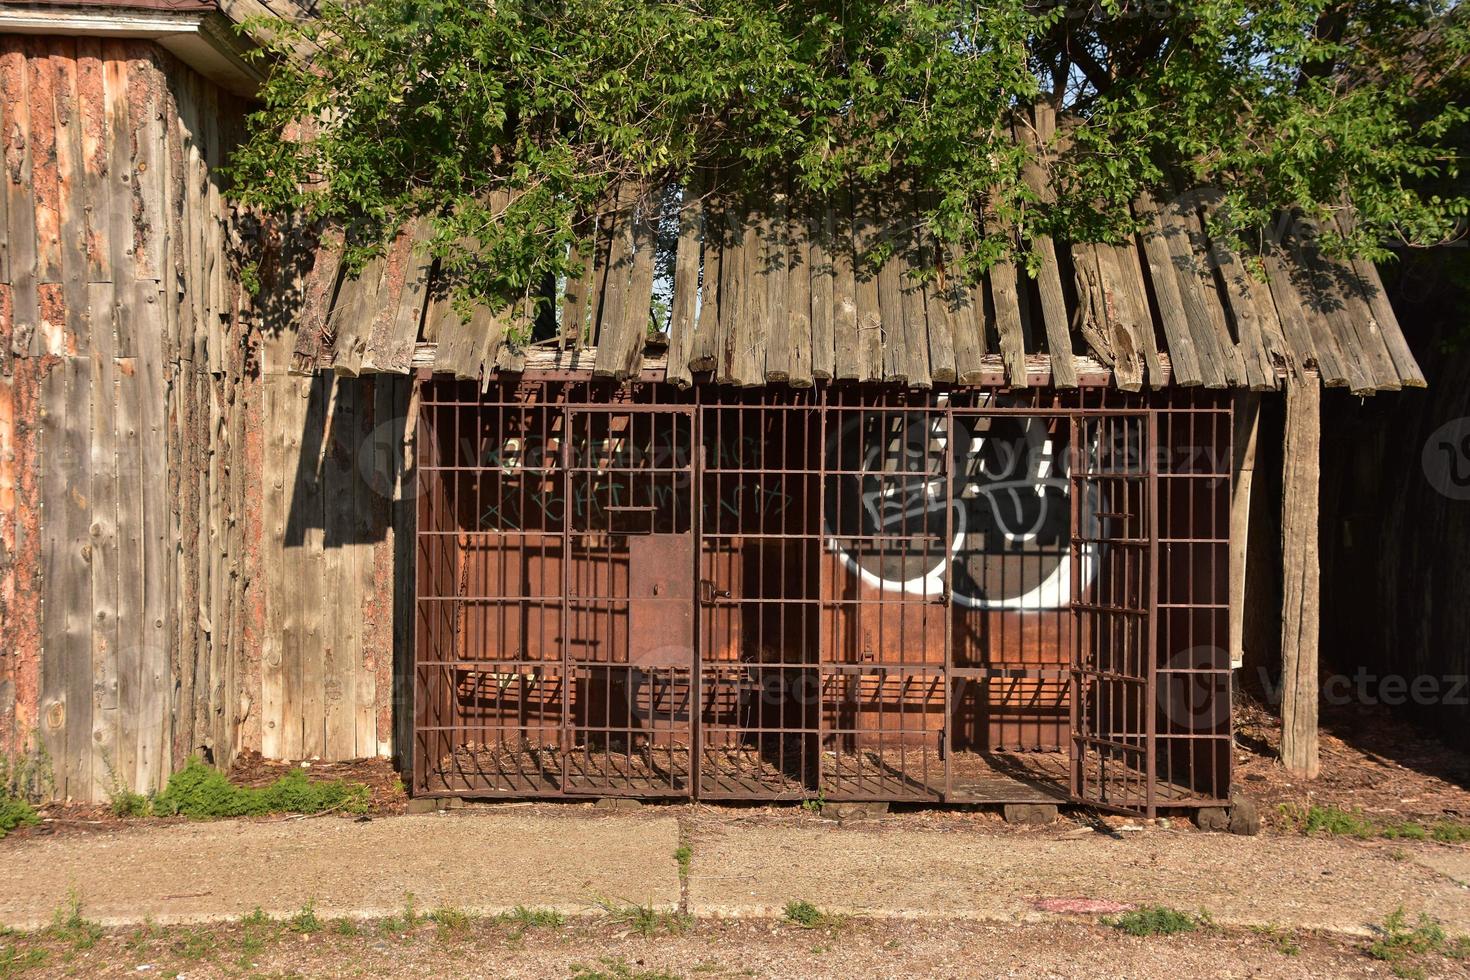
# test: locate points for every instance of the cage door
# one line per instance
(629, 598)
(1114, 548)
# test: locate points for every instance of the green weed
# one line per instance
(814, 804)
(255, 918)
(305, 921)
(1398, 941)
(644, 919)
(1154, 920)
(527, 918)
(345, 927)
(194, 944)
(69, 925)
(16, 961)
(804, 914)
(684, 856)
(1337, 822)
(201, 792)
(28, 774)
(407, 920)
(451, 920)
(15, 812)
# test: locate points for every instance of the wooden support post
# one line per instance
(1242, 467)
(1300, 573)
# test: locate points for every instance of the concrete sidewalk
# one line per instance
(490, 860)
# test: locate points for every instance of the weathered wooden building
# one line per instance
(828, 530)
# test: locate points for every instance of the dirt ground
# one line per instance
(597, 948)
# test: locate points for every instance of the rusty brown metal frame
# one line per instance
(447, 731)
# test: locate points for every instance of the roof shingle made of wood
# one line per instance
(768, 295)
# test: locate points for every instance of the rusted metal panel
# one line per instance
(661, 600)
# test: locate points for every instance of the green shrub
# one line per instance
(200, 792)
(1154, 920)
(15, 813)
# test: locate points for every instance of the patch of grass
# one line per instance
(70, 926)
(528, 918)
(1285, 940)
(194, 944)
(803, 913)
(451, 921)
(305, 921)
(16, 961)
(610, 968)
(814, 804)
(1154, 920)
(1398, 941)
(407, 920)
(684, 856)
(256, 918)
(644, 919)
(201, 792)
(1452, 833)
(15, 812)
(1337, 822)
(345, 927)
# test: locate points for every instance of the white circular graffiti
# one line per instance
(988, 519)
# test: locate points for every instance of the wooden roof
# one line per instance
(769, 295)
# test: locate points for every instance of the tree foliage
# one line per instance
(377, 111)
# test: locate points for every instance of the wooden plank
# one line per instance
(703, 350)
(20, 203)
(1202, 255)
(798, 309)
(1177, 270)
(382, 319)
(683, 304)
(1053, 313)
(281, 435)
(152, 447)
(146, 124)
(319, 292)
(66, 629)
(1007, 304)
(847, 360)
(619, 342)
(753, 327)
(70, 198)
(821, 281)
(1338, 368)
(352, 320)
(1135, 295)
(914, 338)
(396, 351)
(576, 298)
(1258, 351)
(1122, 320)
(92, 99)
(41, 84)
(732, 289)
(113, 762)
(1246, 417)
(773, 330)
(1290, 313)
(1300, 600)
(937, 313)
(1352, 322)
(867, 295)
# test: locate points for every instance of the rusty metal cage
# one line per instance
(868, 594)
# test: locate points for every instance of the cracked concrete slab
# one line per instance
(479, 861)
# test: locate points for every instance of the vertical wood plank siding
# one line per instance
(175, 578)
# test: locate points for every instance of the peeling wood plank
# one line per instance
(820, 285)
(20, 203)
(684, 302)
(703, 350)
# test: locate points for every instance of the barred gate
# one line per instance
(856, 593)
